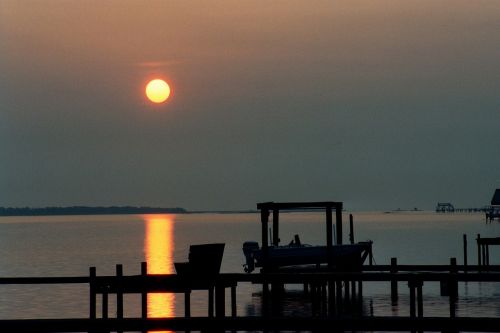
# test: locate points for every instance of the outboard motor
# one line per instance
(248, 251)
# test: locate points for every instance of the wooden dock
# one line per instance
(333, 296)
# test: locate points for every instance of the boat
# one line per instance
(274, 257)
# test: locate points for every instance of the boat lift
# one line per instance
(271, 256)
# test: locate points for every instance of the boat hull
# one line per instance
(345, 257)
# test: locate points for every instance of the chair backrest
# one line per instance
(206, 259)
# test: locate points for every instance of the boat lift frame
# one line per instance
(328, 206)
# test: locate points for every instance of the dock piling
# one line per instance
(465, 252)
(144, 294)
(351, 229)
(394, 282)
(119, 292)
(92, 293)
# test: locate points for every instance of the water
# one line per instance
(69, 245)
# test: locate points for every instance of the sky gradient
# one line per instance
(382, 104)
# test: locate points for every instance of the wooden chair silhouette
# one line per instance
(201, 271)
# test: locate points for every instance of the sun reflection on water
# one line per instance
(159, 250)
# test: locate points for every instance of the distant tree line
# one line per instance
(85, 210)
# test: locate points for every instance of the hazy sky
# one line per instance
(382, 104)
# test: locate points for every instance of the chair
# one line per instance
(201, 271)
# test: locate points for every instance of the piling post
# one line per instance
(329, 236)
(119, 291)
(220, 301)
(465, 252)
(144, 293)
(187, 303)
(487, 254)
(478, 251)
(420, 301)
(92, 293)
(412, 299)
(351, 229)
(394, 282)
(483, 255)
(264, 218)
(276, 235)
(338, 222)
(233, 301)
(210, 302)
(453, 286)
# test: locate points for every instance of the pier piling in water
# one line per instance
(351, 229)
(394, 282)
(465, 252)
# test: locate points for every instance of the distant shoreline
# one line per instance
(87, 210)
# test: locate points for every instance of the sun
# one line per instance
(157, 91)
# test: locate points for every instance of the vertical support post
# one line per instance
(351, 229)
(465, 252)
(329, 236)
(370, 255)
(338, 223)
(187, 303)
(418, 283)
(483, 254)
(233, 301)
(453, 286)
(420, 301)
(144, 293)
(92, 293)
(119, 291)
(487, 254)
(220, 301)
(211, 302)
(413, 311)
(264, 218)
(394, 282)
(478, 251)
(276, 227)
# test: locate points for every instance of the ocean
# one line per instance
(69, 245)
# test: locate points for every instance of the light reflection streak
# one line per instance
(159, 251)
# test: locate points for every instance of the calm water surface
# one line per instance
(69, 245)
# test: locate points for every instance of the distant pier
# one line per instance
(447, 207)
